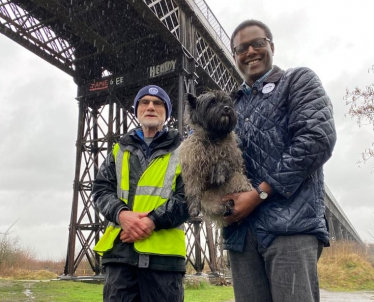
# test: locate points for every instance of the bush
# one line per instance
(9, 250)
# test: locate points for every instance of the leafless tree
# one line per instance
(9, 247)
(361, 107)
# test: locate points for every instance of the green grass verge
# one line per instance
(71, 291)
(52, 291)
(209, 293)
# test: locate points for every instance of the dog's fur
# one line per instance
(211, 161)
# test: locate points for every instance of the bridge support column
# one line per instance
(330, 221)
(338, 229)
(345, 234)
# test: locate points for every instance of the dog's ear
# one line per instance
(191, 100)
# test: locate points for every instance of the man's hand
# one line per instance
(135, 226)
(244, 204)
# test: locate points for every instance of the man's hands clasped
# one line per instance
(135, 226)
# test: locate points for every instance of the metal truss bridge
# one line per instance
(111, 48)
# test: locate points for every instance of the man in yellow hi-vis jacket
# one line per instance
(139, 190)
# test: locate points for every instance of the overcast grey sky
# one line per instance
(38, 116)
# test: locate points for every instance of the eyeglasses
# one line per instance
(146, 102)
(256, 44)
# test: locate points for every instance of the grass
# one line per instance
(11, 291)
(342, 267)
(49, 291)
(72, 291)
(209, 293)
(345, 267)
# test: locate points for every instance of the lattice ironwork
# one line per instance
(212, 64)
(17, 22)
(203, 246)
(42, 39)
(212, 20)
(167, 12)
(101, 127)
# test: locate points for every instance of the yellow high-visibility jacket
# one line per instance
(154, 187)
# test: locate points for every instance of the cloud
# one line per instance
(37, 153)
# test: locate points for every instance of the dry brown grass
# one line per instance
(46, 269)
(24, 274)
(32, 270)
(17, 262)
(20, 263)
(346, 266)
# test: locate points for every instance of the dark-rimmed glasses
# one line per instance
(156, 103)
(256, 44)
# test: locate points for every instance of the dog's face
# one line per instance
(213, 111)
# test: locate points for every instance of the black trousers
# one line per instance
(126, 283)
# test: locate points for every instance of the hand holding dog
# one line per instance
(135, 226)
(244, 204)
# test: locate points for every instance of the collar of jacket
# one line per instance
(139, 132)
(248, 89)
(273, 77)
(137, 135)
(167, 138)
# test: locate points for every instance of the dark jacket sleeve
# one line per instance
(104, 190)
(311, 130)
(174, 211)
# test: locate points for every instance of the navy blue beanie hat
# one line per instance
(155, 91)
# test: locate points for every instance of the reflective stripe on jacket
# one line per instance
(155, 186)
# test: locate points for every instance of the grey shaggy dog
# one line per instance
(211, 161)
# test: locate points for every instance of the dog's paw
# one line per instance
(228, 208)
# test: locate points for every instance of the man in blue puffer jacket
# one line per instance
(285, 124)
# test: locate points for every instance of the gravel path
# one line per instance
(328, 296)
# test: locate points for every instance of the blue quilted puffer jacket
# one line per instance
(287, 133)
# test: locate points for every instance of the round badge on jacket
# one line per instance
(268, 88)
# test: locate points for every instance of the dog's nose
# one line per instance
(226, 108)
